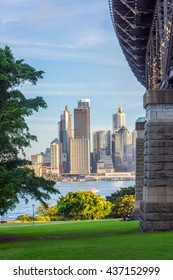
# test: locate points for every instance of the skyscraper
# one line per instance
(80, 145)
(80, 156)
(122, 149)
(56, 156)
(65, 133)
(102, 147)
(118, 120)
(82, 119)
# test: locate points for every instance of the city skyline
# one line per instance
(72, 125)
(75, 44)
(113, 151)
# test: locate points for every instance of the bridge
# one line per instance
(144, 29)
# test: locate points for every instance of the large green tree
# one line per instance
(119, 193)
(123, 201)
(15, 179)
(83, 205)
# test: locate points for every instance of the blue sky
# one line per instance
(74, 43)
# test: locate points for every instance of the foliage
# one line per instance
(14, 107)
(24, 218)
(123, 191)
(15, 179)
(42, 219)
(83, 205)
(19, 183)
(122, 200)
(123, 205)
(45, 210)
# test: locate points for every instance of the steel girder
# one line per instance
(132, 21)
(144, 31)
(159, 59)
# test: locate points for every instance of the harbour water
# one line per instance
(103, 188)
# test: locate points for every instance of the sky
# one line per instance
(74, 43)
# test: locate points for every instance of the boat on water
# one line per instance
(94, 190)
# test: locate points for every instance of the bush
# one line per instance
(123, 201)
(24, 218)
(83, 205)
(42, 219)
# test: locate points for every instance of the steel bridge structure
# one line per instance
(144, 31)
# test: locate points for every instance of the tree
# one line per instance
(122, 200)
(123, 205)
(15, 179)
(47, 210)
(83, 205)
(123, 191)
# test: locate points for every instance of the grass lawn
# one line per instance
(84, 240)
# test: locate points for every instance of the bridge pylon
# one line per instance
(156, 206)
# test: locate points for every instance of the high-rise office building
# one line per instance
(56, 156)
(122, 149)
(65, 133)
(80, 156)
(102, 147)
(37, 162)
(82, 119)
(118, 120)
(80, 145)
(46, 157)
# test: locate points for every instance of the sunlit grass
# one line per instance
(86, 240)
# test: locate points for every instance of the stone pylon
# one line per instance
(139, 126)
(156, 207)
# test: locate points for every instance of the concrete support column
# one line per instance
(139, 126)
(156, 208)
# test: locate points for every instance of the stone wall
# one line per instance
(139, 167)
(156, 208)
(158, 176)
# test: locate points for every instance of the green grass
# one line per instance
(97, 240)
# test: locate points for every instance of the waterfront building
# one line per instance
(56, 156)
(80, 145)
(82, 119)
(80, 156)
(65, 133)
(122, 149)
(46, 157)
(102, 148)
(37, 162)
(118, 120)
(105, 165)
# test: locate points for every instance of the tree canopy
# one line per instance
(123, 201)
(83, 205)
(123, 191)
(15, 179)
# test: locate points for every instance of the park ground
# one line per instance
(83, 240)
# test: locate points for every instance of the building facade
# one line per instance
(80, 156)
(56, 156)
(82, 119)
(37, 163)
(102, 148)
(122, 150)
(80, 145)
(65, 133)
(118, 120)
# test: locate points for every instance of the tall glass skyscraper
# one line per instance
(55, 156)
(80, 145)
(82, 119)
(118, 120)
(102, 147)
(65, 133)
